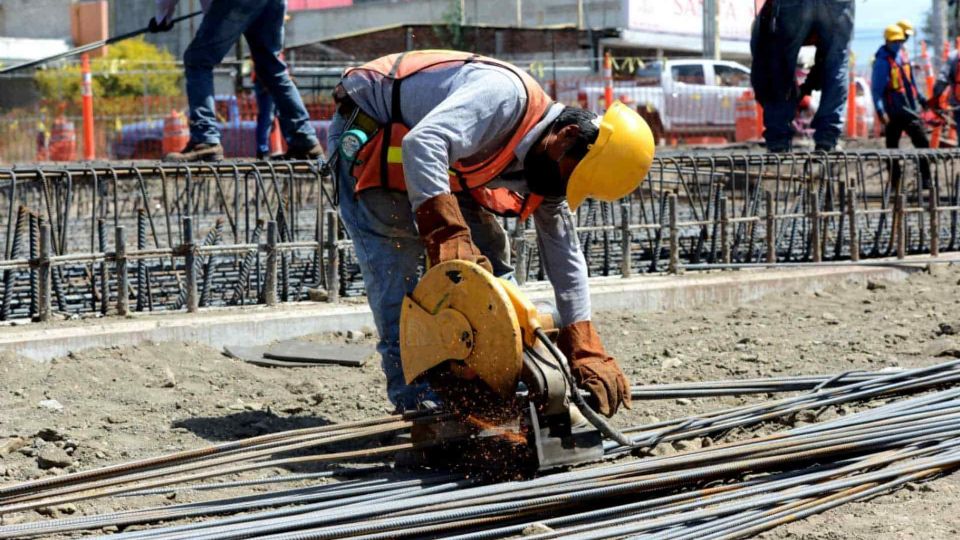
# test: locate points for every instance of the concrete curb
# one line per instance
(260, 325)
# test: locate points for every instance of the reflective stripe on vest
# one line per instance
(380, 163)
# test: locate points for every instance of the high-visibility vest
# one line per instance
(379, 163)
(901, 81)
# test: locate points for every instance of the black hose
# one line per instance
(92, 46)
(595, 419)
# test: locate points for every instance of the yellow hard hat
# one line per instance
(894, 33)
(906, 26)
(617, 162)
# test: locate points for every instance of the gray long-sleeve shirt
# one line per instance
(468, 112)
(946, 78)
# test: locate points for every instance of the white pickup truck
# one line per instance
(678, 97)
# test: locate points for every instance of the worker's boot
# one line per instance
(300, 153)
(196, 152)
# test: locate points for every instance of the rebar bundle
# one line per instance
(732, 489)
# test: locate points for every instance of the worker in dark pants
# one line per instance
(898, 101)
(781, 28)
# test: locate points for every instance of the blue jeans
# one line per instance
(388, 248)
(774, 74)
(261, 22)
(265, 114)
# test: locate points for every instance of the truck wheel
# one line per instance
(652, 117)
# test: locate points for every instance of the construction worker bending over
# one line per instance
(897, 99)
(432, 145)
(224, 21)
(781, 28)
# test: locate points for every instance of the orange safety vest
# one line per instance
(901, 80)
(380, 163)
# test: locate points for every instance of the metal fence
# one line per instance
(112, 238)
(40, 115)
(686, 102)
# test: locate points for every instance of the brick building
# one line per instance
(501, 42)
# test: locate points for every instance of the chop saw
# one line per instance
(488, 352)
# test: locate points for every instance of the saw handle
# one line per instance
(595, 419)
(527, 314)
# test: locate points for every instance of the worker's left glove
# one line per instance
(162, 21)
(445, 233)
(595, 370)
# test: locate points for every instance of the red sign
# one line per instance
(301, 5)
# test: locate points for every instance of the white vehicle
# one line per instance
(679, 97)
(864, 103)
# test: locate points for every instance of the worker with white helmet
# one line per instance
(432, 145)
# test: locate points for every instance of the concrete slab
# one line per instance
(260, 325)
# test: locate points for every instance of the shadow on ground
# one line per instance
(246, 424)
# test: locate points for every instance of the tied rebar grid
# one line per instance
(694, 211)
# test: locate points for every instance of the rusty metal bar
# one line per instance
(626, 243)
(270, 283)
(189, 250)
(45, 281)
(123, 279)
(674, 266)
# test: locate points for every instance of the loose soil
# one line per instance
(123, 403)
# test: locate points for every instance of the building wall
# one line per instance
(506, 43)
(49, 19)
(311, 26)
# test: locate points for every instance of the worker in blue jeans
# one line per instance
(265, 114)
(224, 21)
(898, 101)
(780, 29)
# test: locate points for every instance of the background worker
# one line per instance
(897, 99)
(948, 79)
(513, 151)
(224, 21)
(779, 31)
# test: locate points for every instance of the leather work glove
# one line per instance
(595, 370)
(445, 233)
(161, 22)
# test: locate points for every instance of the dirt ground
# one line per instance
(123, 403)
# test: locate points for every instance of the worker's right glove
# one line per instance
(445, 233)
(595, 370)
(165, 25)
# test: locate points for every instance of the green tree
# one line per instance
(131, 68)
(451, 33)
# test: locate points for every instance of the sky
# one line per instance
(874, 15)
